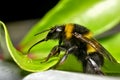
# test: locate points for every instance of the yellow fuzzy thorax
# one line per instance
(68, 30)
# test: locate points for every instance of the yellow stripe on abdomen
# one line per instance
(90, 49)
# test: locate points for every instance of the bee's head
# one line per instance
(55, 32)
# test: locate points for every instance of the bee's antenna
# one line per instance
(41, 32)
(36, 44)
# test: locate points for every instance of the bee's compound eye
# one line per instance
(58, 30)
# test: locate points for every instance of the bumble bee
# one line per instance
(76, 39)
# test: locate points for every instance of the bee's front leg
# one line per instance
(55, 51)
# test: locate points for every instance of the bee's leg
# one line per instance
(55, 50)
(64, 57)
(92, 66)
(66, 53)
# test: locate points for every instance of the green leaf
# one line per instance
(24, 61)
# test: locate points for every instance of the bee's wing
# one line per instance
(96, 45)
(99, 48)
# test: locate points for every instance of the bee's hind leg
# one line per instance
(91, 66)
